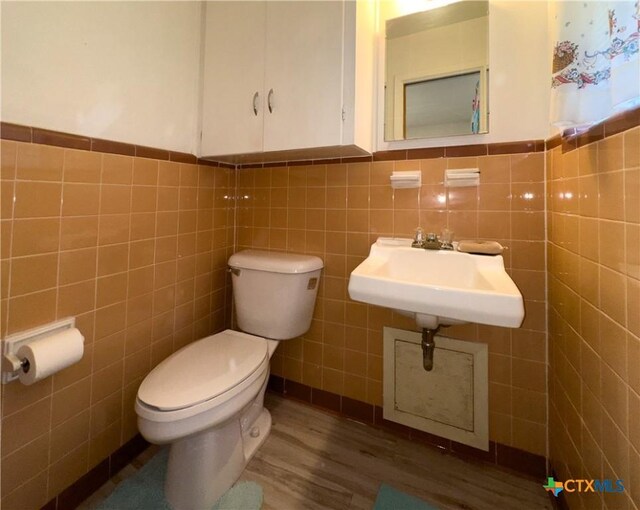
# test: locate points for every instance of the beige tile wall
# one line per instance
(136, 249)
(594, 316)
(337, 211)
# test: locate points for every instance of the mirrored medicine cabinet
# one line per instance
(437, 72)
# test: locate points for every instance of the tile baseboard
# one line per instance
(87, 484)
(501, 455)
(507, 457)
(559, 502)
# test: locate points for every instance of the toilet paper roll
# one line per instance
(51, 354)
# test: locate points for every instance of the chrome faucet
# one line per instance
(427, 241)
(431, 241)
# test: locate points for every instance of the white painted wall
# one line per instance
(130, 71)
(519, 73)
(124, 71)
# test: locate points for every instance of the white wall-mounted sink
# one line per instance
(438, 287)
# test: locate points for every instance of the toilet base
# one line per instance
(251, 443)
(203, 467)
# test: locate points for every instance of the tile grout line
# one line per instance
(126, 309)
(57, 302)
(11, 242)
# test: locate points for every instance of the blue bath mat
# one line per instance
(145, 491)
(392, 499)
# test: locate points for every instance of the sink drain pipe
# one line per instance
(428, 347)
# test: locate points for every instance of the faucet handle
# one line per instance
(418, 238)
(446, 239)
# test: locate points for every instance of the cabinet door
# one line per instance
(234, 56)
(304, 71)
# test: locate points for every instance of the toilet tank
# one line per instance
(274, 293)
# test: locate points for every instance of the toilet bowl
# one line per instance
(206, 400)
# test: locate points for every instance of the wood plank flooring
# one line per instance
(315, 460)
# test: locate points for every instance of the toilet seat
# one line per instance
(202, 374)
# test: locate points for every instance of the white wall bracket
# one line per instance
(407, 179)
(461, 177)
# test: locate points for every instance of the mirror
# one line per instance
(437, 72)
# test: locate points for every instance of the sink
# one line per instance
(437, 287)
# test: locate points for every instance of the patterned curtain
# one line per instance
(596, 68)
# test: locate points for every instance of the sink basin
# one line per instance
(438, 287)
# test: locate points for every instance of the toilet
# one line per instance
(206, 400)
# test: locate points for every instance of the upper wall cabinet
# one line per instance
(287, 80)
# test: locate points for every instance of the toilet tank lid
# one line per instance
(275, 262)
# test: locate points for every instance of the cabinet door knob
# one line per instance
(269, 101)
(256, 96)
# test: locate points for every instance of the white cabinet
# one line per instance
(234, 54)
(304, 70)
(280, 80)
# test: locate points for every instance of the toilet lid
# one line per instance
(203, 370)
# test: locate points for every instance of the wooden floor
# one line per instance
(314, 460)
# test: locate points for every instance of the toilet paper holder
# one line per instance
(11, 364)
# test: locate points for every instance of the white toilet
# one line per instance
(207, 398)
